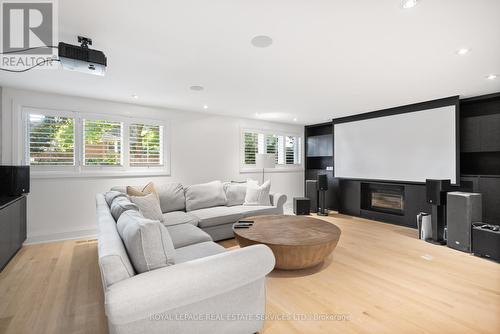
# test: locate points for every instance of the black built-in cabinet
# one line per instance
(12, 227)
(479, 163)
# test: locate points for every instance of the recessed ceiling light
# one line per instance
(491, 77)
(196, 88)
(205, 107)
(135, 96)
(463, 51)
(262, 41)
(408, 3)
(295, 119)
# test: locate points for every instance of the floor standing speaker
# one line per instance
(462, 210)
(312, 194)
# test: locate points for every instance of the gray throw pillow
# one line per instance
(204, 195)
(148, 243)
(235, 193)
(149, 206)
(121, 204)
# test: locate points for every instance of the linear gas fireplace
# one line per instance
(387, 198)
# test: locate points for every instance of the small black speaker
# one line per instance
(322, 182)
(436, 191)
(301, 205)
(14, 180)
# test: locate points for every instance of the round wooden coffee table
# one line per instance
(297, 241)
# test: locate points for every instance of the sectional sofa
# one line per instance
(207, 289)
(205, 208)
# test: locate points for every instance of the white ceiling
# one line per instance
(329, 58)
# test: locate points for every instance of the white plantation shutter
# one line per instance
(102, 141)
(250, 147)
(292, 150)
(145, 145)
(51, 140)
(272, 144)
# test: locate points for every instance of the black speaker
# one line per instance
(462, 209)
(14, 180)
(486, 241)
(301, 206)
(312, 194)
(436, 191)
(322, 182)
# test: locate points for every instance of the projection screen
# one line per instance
(411, 146)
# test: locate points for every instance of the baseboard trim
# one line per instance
(61, 236)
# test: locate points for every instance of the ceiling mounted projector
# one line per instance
(81, 58)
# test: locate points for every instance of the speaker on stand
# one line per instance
(322, 188)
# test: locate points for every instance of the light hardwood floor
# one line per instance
(380, 277)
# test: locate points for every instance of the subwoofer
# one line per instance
(14, 180)
(462, 210)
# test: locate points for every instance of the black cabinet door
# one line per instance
(490, 133)
(470, 134)
(489, 187)
(349, 202)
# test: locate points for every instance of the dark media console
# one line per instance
(14, 183)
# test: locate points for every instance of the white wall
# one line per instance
(203, 148)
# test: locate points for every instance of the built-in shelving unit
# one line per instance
(480, 150)
(319, 158)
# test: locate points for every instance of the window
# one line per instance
(286, 148)
(72, 143)
(102, 143)
(51, 140)
(145, 145)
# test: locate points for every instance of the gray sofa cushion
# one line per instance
(197, 251)
(179, 217)
(111, 195)
(121, 204)
(235, 193)
(204, 195)
(148, 243)
(257, 210)
(171, 197)
(186, 234)
(217, 215)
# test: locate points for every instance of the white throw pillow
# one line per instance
(258, 195)
(235, 193)
(149, 206)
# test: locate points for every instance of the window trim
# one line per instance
(244, 168)
(80, 170)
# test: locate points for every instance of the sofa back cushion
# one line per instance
(111, 195)
(171, 197)
(121, 204)
(204, 195)
(148, 242)
(235, 193)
